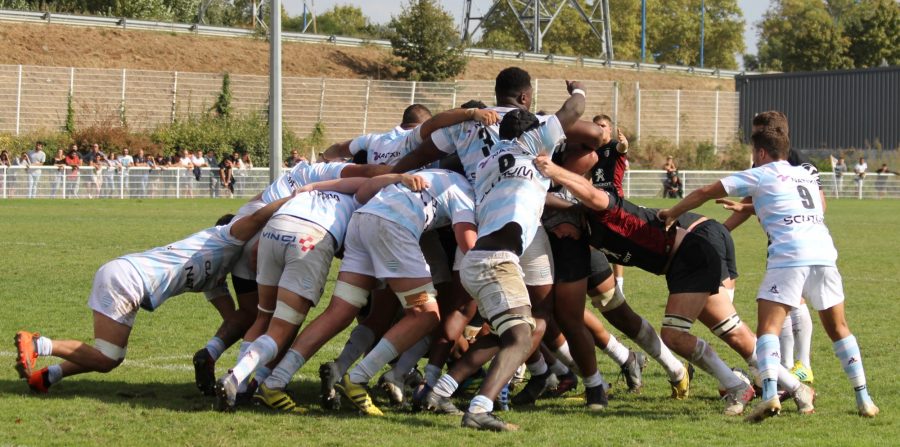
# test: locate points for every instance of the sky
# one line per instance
(380, 11)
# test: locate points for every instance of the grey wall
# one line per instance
(829, 109)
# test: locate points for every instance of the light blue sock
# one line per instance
(847, 351)
(481, 404)
(768, 356)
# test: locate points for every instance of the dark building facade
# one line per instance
(830, 110)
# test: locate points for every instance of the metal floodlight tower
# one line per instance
(535, 17)
(257, 13)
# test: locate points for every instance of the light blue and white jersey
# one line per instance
(449, 200)
(387, 148)
(789, 207)
(509, 188)
(473, 141)
(327, 209)
(301, 174)
(198, 263)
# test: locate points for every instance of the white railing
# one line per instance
(205, 30)
(173, 182)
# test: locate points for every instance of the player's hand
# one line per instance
(731, 205)
(566, 230)
(414, 182)
(305, 188)
(572, 85)
(623, 142)
(667, 216)
(545, 164)
(486, 117)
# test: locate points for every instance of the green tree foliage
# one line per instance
(343, 20)
(222, 107)
(801, 35)
(162, 10)
(426, 41)
(874, 31)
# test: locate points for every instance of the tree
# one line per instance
(673, 32)
(569, 34)
(874, 31)
(425, 40)
(798, 35)
(343, 20)
(222, 107)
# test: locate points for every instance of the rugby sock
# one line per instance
(481, 404)
(705, 357)
(361, 338)
(559, 368)
(803, 329)
(563, 354)
(262, 373)
(594, 380)
(537, 368)
(286, 368)
(787, 342)
(650, 342)
(245, 345)
(432, 374)
(847, 351)
(262, 351)
(445, 386)
(43, 346)
(620, 283)
(769, 361)
(215, 346)
(411, 357)
(382, 353)
(54, 374)
(616, 351)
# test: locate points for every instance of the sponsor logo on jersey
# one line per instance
(385, 156)
(804, 218)
(774, 290)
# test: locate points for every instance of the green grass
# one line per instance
(51, 249)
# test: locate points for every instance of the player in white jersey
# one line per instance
(198, 263)
(801, 262)
(295, 253)
(510, 196)
(398, 216)
(387, 148)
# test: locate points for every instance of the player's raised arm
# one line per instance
(573, 108)
(577, 185)
(456, 116)
(741, 211)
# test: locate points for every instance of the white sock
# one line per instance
(481, 404)
(537, 368)
(411, 357)
(262, 351)
(559, 368)
(563, 354)
(786, 339)
(594, 380)
(379, 356)
(847, 351)
(803, 329)
(215, 346)
(361, 338)
(706, 359)
(286, 368)
(616, 351)
(620, 283)
(54, 373)
(432, 374)
(43, 346)
(649, 341)
(445, 386)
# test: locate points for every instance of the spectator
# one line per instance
(244, 166)
(23, 162)
(839, 168)
(98, 164)
(113, 170)
(59, 160)
(673, 187)
(293, 159)
(73, 161)
(140, 161)
(5, 163)
(92, 154)
(212, 163)
(882, 179)
(226, 177)
(199, 162)
(188, 171)
(211, 159)
(36, 158)
(670, 167)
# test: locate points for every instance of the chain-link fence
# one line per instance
(176, 182)
(35, 98)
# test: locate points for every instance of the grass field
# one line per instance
(51, 249)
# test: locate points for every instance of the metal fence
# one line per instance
(35, 98)
(172, 182)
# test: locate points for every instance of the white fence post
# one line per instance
(322, 100)
(122, 119)
(534, 97)
(64, 183)
(177, 184)
(637, 111)
(366, 106)
(716, 126)
(615, 116)
(174, 96)
(71, 81)
(412, 94)
(4, 170)
(453, 96)
(18, 101)
(677, 118)
(122, 183)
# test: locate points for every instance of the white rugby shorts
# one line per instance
(494, 279)
(295, 255)
(117, 291)
(820, 285)
(377, 247)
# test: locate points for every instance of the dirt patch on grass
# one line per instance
(72, 46)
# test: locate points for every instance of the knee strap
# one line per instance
(418, 296)
(727, 325)
(504, 323)
(110, 350)
(287, 313)
(609, 300)
(356, 296)
(677, 323)
(263, 310)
